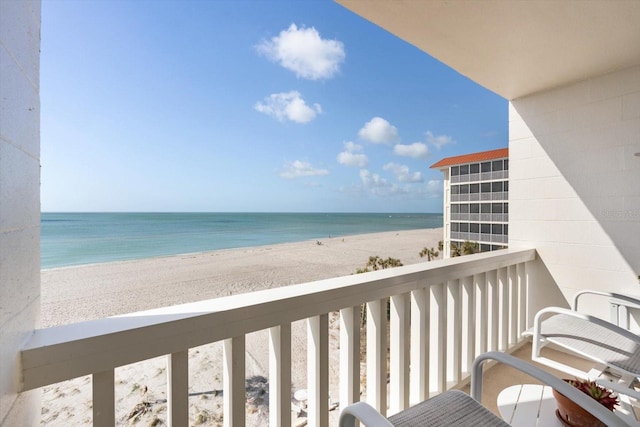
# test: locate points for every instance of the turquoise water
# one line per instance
(84, 238)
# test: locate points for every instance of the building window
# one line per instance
(464, 208)
(486, 167)
(474, 188)
(505, 229)
(464, 170)
(455, 209)
(485, 208)
(506, 208)
(485, 187)
(474, 208)
(474, 168)
(455, 189)
(485, 248)
(464, 227)
(496, 165)
(506, 186)
(474, 227)
(496, 228)
(496, 208)
(464, 189)
(485, 228)
(506, 164)
(496, 187)
(455, 226)
(455, 170)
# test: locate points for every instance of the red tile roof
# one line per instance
(472, 158)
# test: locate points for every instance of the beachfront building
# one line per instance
(571, 74)
(476, 200)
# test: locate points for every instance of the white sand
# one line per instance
(75, 294)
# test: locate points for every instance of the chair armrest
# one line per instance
(623, 297)
(364, 413)
(586, 402)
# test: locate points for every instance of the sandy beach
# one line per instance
(75, 294)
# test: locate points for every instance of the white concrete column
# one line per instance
(19, 202)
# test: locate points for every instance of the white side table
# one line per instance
(528, 405)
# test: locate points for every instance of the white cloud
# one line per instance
(352, 146)
(374, 184)
(349, 157)
(439, 140)
(372, 179)
(288, 106)
(379, 131)
(402, 173)
(417, 150)
(433, 189)
(298, 168)
(304, 52)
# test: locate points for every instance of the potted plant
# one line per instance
(573, 415)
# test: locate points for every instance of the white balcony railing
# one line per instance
(443, 314)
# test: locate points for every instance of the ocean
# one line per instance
(86, 238)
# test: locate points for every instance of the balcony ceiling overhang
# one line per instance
(515, 48)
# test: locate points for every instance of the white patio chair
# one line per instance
(455, 408)
(614, 350)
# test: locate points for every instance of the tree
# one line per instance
(430, 253)
(455, 250)
(376, 263)
(469, 248)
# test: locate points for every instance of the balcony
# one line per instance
(442, 314)
(467, 197)
(484, 217)
(483, 176)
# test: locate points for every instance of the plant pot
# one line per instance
(573, 415)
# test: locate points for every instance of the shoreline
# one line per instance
(78, 293)
(235, 248)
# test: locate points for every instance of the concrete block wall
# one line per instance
(575, 186)
(19, 201)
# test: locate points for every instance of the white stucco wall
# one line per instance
(575, 186)
(19, 201)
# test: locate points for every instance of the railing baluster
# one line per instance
(454, 332)
(494, 310)
(178, 388)
(377, 355)
(482, 313)
(280, 375)
(399, 375)
(438, 339)
(104, 412)
(349, 356)
(233, 379)
(503, 284)
(523, 298)
(419, 346)
(513, 305)
(468, 310)
(318, 370)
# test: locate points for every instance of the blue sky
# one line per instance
(242, 106)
